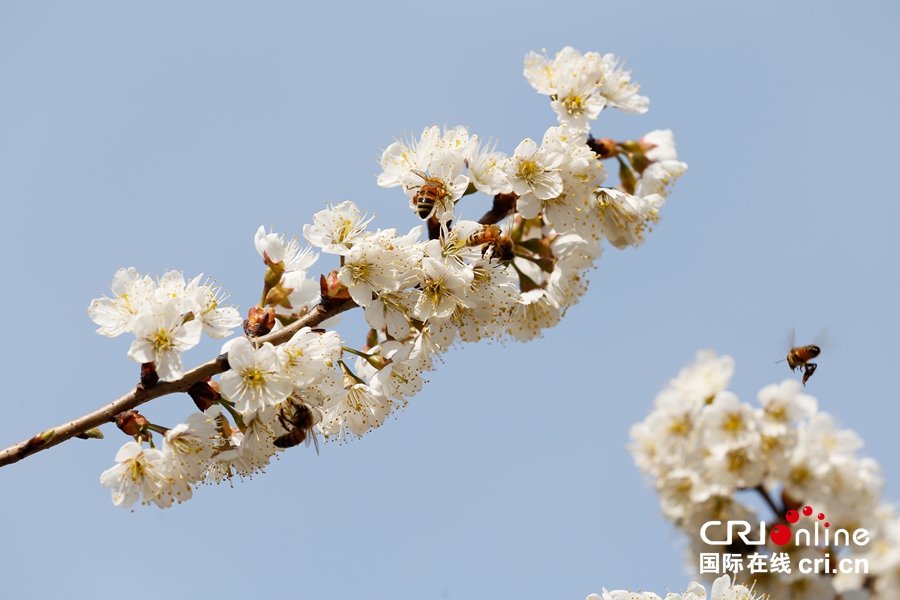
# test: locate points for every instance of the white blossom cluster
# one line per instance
(722, 589)
(468, 282)
(166, 316)
(701, 446)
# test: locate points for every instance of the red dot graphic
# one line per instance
(827, 523)
(780, 535)
(807, 510)
(821, 516)
(792, 516)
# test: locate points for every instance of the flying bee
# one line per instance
(432, 192)
(799, 357)
(491, 236)
(299, 425)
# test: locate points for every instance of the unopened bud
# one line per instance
(149, 377)
(333, 288)
(203, 394)
(39, 440)
(640, 162)
(378, 361)
(633, 146)
(132, 423)
(93, 433)
(626, 176)
(274, 272)
(259, 321)
(604, 148)
(279, 296)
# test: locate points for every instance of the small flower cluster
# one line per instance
(580, 86)
(468, 281)
(166, 316)
(163, 477)
(721, 590)
(701, 446)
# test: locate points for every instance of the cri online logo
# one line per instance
(781, 533)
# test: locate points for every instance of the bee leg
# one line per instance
(808, 372)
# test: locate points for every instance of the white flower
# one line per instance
(534, 172)
(577, 98)
(444, 179)
(404, 156)
(366, 272)
(255, 381)
(700, 382)
(357, 409)
(302, 292)
(721, 590)
(782, 405)
(624, 217)
(660, 144)
(139, 474)
(435, 338)
(535, 311)
(390, 309)
(618, 89)
(337, 229)
(249, 453)
(272, 249)
(116, 315)
(486, 169)
(216, 321)
(188, 446)
(453, 249)
(308, 355)
(659, 177)
(442, 290)
(728, 423)
(573, 81)
(400, 377)
(736, 466)
(162, 337)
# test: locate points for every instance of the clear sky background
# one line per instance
(163, 135)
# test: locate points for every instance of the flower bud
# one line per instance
(204, 394)
(605, 147)
(378, 361)
(149, 377)
(259, 321)
(38, 441)
(333, 288)
(132, 423)
(93, 433)
(626, 175)
(279, 296)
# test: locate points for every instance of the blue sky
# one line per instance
(162, 136)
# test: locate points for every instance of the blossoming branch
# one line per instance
(290, 379)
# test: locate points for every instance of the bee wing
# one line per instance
(823, 339)
(787, 345)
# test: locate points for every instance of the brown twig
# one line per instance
(141, 394)
(779, 513)
(503, 204)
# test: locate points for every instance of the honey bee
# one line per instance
(299, 426)
(432, 192)
(799, 357)
(491, 236)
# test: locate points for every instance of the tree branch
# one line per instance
(503, 204)
(141, 394)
